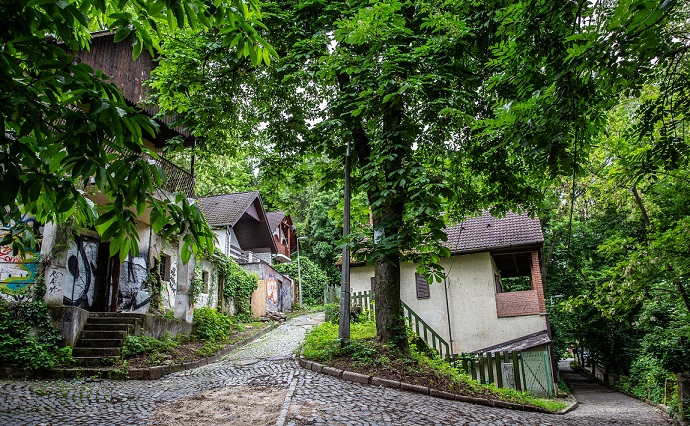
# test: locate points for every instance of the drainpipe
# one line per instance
(450, 334)
(227, 240)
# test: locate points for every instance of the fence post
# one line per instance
(490, 367)
(516, 371)
(499, 370)
(482, 375)
(683, 394)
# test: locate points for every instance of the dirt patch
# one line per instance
(227, 406)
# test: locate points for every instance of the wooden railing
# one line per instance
(365, 299)
(431, 337)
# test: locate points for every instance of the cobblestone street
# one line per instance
(262, 383)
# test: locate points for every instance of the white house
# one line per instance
(473, 309)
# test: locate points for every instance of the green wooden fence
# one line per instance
(523, 371)
(365, 299)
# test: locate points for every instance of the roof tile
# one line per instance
(488, 232)
(227, 209)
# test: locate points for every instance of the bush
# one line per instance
(27, 338)
(211, 325)
(356, 313)
(314, 279)
(142, 345)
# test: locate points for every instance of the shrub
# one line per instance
(314, 279)
(27, 338)
(211, 325)
(143, 345)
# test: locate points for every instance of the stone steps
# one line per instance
(103, 336)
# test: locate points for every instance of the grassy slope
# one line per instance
(422, 366)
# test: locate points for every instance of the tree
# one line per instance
(65, 130)
(449, 106)
(314, 279)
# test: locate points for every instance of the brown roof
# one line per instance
(520, 344)
(486, 232)
(227, 209)
(274, 219)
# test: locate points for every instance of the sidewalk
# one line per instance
(598, 402)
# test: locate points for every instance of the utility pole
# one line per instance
(299, 273)
(344, 326)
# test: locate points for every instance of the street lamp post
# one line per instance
(344, 326)
(299, 273)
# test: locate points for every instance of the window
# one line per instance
(422, 285)
(516, 284)
(204, 278)
(164, 267)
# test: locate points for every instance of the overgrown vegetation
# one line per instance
(238, 286)
(27, 338)
(314, 279)
(145, 345)
(211, 325)
(212, 330)
(420, 366)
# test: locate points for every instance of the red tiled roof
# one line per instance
(487, 232)
(227, 209)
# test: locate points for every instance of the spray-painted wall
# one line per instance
(19, 273)
(72, 269)
(80, 278)
(274, 292)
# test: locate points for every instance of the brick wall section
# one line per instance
(537, 284)
(517, 303)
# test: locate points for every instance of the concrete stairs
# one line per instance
(103, 335)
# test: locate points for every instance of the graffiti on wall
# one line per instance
(272, 296)
(170, 288)
(79, 285)
(18, 272)
(133, 295)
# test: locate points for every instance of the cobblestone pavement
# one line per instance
(305, 397)
(599, 402)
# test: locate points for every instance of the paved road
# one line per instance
(597, 402)
(262, 384)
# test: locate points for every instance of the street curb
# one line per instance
(423, 390)
(148, 373)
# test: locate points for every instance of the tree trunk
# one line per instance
(390, 325)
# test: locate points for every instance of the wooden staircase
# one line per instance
(103, 336)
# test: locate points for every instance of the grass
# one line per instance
(421, 366)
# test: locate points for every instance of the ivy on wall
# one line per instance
(239, 284)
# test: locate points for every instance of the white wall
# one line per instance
(471, 299)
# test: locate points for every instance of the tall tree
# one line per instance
(448, 105)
